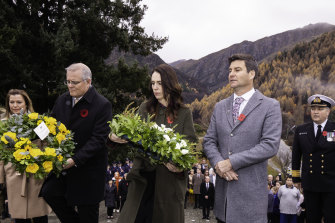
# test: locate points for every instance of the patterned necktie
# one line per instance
(318, 133)
(236, 107)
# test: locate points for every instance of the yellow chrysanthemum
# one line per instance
(33, 116)
(10, 134)
(39, 122)
(52, 129)
(32, 168)
(50, 120)
(60, 158)
(50, 151)
(47, 165)
(19, 154)
(22, 141)
(62, 128)
(35, 152)
(60, 137)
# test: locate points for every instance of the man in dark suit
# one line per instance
(84, 111)
(207, 196)
(314, 144)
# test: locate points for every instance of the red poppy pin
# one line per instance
(169, 120)
(241, 117)
(324, 133)
(83, 113)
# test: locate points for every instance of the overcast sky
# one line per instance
(197, 28)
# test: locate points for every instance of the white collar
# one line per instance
(322, 124)
(246, 96)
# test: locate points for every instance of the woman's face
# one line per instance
(16, 103)
(156, 85)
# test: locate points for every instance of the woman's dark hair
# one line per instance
(171, 89)
(25, 96)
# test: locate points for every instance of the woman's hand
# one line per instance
(173, 168)
(116, 139)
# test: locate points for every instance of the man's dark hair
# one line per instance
(250, 62)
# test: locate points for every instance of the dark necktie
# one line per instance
(318, 133)
(207, 186)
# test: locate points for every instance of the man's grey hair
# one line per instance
(86, 71)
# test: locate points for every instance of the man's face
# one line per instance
(239, 77)
(270, 178)
(81, 87)
(289, 182)
(198, 171)
(207, 179)
(319, 114)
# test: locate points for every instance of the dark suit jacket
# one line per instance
(318, 158)
(204, 192)
(85, 183)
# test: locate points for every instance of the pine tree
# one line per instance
(38, 39)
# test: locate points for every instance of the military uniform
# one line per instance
(317, 174)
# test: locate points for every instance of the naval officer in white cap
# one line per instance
(314, 146)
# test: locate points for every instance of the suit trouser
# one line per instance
(68, 214)
(319, 204)
(205, 208)
(197, 202)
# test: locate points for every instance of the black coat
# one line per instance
(123, 189)
(110, 196)
(204, 192)
(318, 159)
(84, 183)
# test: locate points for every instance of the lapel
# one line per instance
(67, 109)
(254, 101)
(229, 110)
(311, 134)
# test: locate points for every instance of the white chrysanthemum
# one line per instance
(183, 143)
(166, 137)
(178, 146)
(167, 130)
(184, 151)
(155, 126)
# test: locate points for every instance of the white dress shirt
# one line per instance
(316, 126)
(246, 98)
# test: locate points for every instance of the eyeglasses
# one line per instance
(67, 82)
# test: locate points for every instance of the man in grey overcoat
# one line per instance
(244, 133)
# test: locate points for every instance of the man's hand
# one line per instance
(69, 163)
(116, 139)
(230, 175)
(225, 170)
(223, 166)
(206, 197)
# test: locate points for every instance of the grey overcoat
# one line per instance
(248, 144)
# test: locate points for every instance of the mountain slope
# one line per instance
(290, 77)
(210, 72)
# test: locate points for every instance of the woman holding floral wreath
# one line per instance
(156, 193)
(23, 201)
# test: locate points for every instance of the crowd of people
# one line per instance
(285, 201)
(244, 132)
